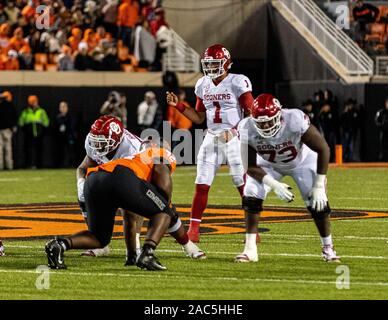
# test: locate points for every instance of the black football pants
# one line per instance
(106, 192)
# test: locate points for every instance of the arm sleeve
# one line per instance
(245, 101)
(45, 119)
(199, 106)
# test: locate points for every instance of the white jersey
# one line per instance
(130, 145)
(221, 103)
(284, 151)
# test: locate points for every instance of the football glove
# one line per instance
(318, 195)
(282, 190)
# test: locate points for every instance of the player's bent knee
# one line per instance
(319, 215)
(252, 205)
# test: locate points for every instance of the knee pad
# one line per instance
(238, 180)
(252, 205)
(319, 215)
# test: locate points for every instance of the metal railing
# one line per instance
(179, 57)
(346, 52)
(382, 66)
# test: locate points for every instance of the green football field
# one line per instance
(290, 265)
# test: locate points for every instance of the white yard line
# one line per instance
(309, 255)
(190, 279)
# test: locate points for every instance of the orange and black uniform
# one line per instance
(125, 183)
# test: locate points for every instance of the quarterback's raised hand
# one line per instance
(172, 99)
(318, 197)
(282, 190)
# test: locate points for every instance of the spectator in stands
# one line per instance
(112, 106)
(328, 128)
(12, 12)
(110, 61)
(90, 39)
(350, 124)
(176, 118)
(4, 38)
(109, 12)
(309, 109)
(12, 61)
(83, 61)
(144, 45)
(3, 15)
(149, 113)
(331, 99)
(65, 61)
(75, 39)
(381, 120)
(318, 99)
(64, 137)
(8, 122)
(363, 14)
(127, 18)
(33, 121)
(158, 21)
(17, 41)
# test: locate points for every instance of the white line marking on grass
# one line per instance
(200, 278)
(307, 255)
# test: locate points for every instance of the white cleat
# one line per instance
(246, 257)
(192, 251)
(103, 252)
(2, 252)
(329, 254)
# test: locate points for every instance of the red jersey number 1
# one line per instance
(217, 117)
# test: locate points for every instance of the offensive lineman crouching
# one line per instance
(141, 184)
(281, 142)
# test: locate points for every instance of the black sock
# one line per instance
(149, 244)
(65, 243)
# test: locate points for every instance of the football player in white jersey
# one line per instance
(222, 99)
(282, 142)
(106, 141)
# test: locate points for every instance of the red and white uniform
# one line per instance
(130, 145)
(223, 113)
(281, 155)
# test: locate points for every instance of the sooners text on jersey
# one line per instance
(283, 151)
(222, 108)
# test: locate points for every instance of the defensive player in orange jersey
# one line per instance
(141, 184)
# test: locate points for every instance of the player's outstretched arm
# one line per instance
(316, 142)
(81, 175)
(190, 113)
(161, 178)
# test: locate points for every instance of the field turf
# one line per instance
(290, 265)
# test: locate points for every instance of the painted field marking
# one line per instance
(190, 279)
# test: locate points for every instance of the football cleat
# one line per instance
(193, 234)
(147, 260)
(193, 251)
(329, 254)
(101, 252)
(246, 257)
(2, 252)
(54, 251)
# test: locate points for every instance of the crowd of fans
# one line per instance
(337, 127)
(105, 35)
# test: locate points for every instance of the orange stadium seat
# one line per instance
(41, 58)
(377, 33)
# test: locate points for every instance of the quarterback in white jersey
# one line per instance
(280, 142)
(222, 99)
(107, 141)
